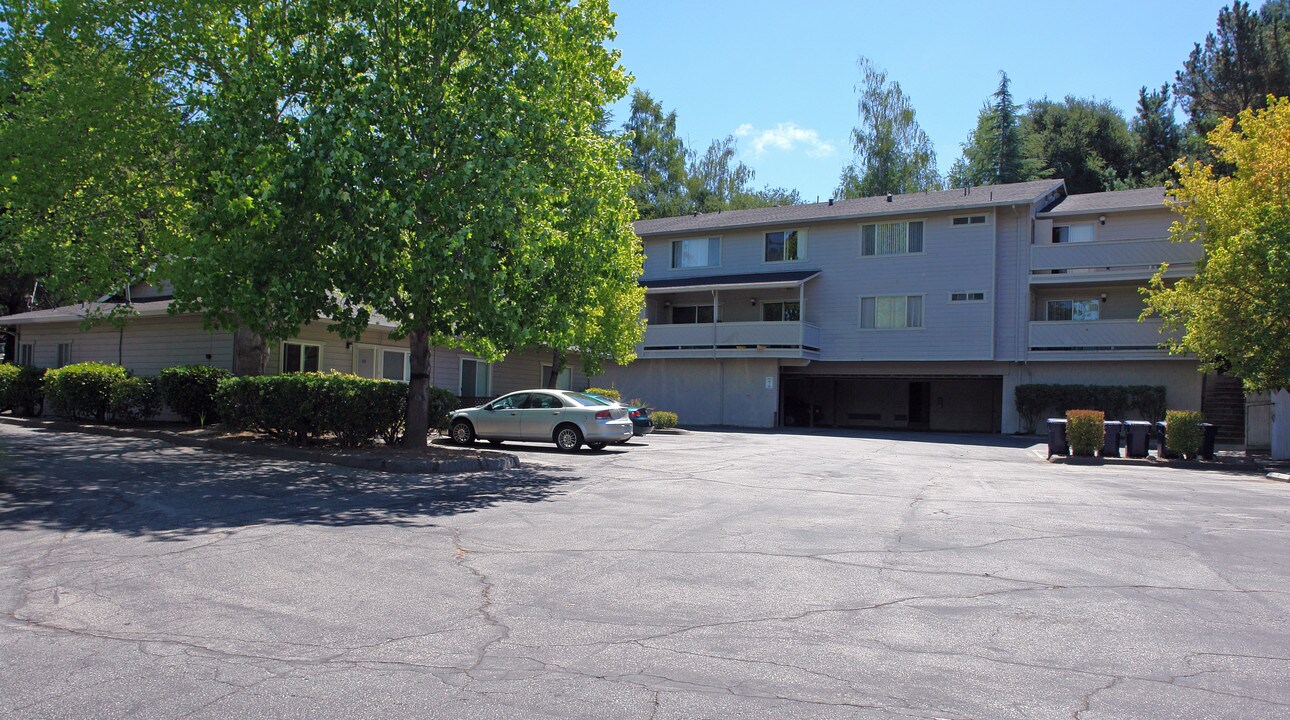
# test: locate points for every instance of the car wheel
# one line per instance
(597, 445)
(463, 433)
(568, 438)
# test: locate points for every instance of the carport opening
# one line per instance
(941, 404)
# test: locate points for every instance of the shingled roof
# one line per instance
(1116, 200)
(940, 200)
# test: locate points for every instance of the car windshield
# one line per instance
(586, 400)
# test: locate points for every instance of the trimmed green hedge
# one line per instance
(1035, 401)
(22, 389)
(304, 407)
(189, 390)
(663, 419)
(135, 398)
(83, 390)
(607, 393)
(1183, 433)
(1085, 432)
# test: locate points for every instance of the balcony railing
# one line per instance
(1123, 338)
(732, 339)
(1103, 260)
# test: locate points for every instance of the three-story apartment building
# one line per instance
(920, 311)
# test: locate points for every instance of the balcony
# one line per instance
(1083, 340)
(1110, 261)
(731, 340)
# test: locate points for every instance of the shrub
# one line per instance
(1183, 433)
(607, 393)
(1084, 431)
(83, 390)
(135, 399)
(189, 390)
(1033, 400)
(26, 394)
(303, 407)
(663, 419)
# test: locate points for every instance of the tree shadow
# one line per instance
(139, 487)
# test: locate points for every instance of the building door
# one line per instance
(920, 404)
(365, 361)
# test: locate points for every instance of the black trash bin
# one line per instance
(1162, 451)
(1207, 441)
(1057, 437)
(1111, 443)
(1137, 438)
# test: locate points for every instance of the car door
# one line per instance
(540, 415)
(500, 419)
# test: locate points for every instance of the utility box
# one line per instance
(1207, 441)
(1057, 437)
(1111, 445)
(1137, 438)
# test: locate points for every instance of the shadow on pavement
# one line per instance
(74, 482)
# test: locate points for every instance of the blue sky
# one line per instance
(781, 76)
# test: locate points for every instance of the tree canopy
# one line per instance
(1241, 63)
(1157, 138)
(995, 150)
(892, 153)
(1084, 141)
(1235, 311)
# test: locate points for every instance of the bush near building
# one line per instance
(135, 398)
(1183, 433)
(607, 393)
(1084, 431)
(1036, 400)
(83, 390)
(22, 389)
(189, 390)
(663, 419)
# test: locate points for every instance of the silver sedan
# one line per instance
(566, 418)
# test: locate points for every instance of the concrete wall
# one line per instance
(702, 392)
(1182, 380)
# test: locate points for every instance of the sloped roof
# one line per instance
(940, 200)
(1116, 200)
(76, 313)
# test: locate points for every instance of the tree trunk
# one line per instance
(418, 418)
(557, 366)
(250, 353)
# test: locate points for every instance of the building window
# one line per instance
(64, 355)
(967, 297)
(563, 382)
(301, 357)
(1073, 233)
(781, 311)
(27, 354)
(476, 378)
(785, 245)
(705, 252)
(897, 238)
(968, 220)
(690, 314)
(396, 365)
(1073, 309)
(886, 312)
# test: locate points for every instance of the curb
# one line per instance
(1150, 461)
(669, 431)
(494, 461)
(1280, 477)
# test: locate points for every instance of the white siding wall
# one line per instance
(144, 345)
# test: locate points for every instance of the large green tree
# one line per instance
(995, 149)
(1235, 311)
(92, 175)
(717, 180)
(658, 158)
(892, 153)
(1241, 63)
(435, 163)
(1084, 141)
(1157, 138)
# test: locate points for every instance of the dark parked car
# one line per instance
(642, 424)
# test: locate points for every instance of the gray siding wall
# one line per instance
(1012, 253)
(702, 392)
(145, 345)
(955, 259)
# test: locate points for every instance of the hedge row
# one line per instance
(97, 390)
(21, 390)
(303, 407)
(1036, 401)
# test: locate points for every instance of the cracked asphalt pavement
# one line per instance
(708, 575)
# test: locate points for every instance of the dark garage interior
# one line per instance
(946, 404)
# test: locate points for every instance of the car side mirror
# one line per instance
(490, 408)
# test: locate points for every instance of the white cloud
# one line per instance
(785, 136)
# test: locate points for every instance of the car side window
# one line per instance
(542, 401)
(510, 402)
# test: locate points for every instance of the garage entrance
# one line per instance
(946, 403)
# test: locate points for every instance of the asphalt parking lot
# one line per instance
(708, 575)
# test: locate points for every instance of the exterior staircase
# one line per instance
(1223, 404)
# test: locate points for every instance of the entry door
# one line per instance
(365, 361)
(920, 404)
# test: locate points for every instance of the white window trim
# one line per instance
(792, 301)
(970, 224)
(984, 297)
(720, 244)
(30, 347)
(282, 355)
(1072, 301)
(860, 313)
(378, 370)
(1090, 223)
(461, 373)
(719, 312)
(60, 360)
(546, 370)
(860, 244)
(801, 246)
